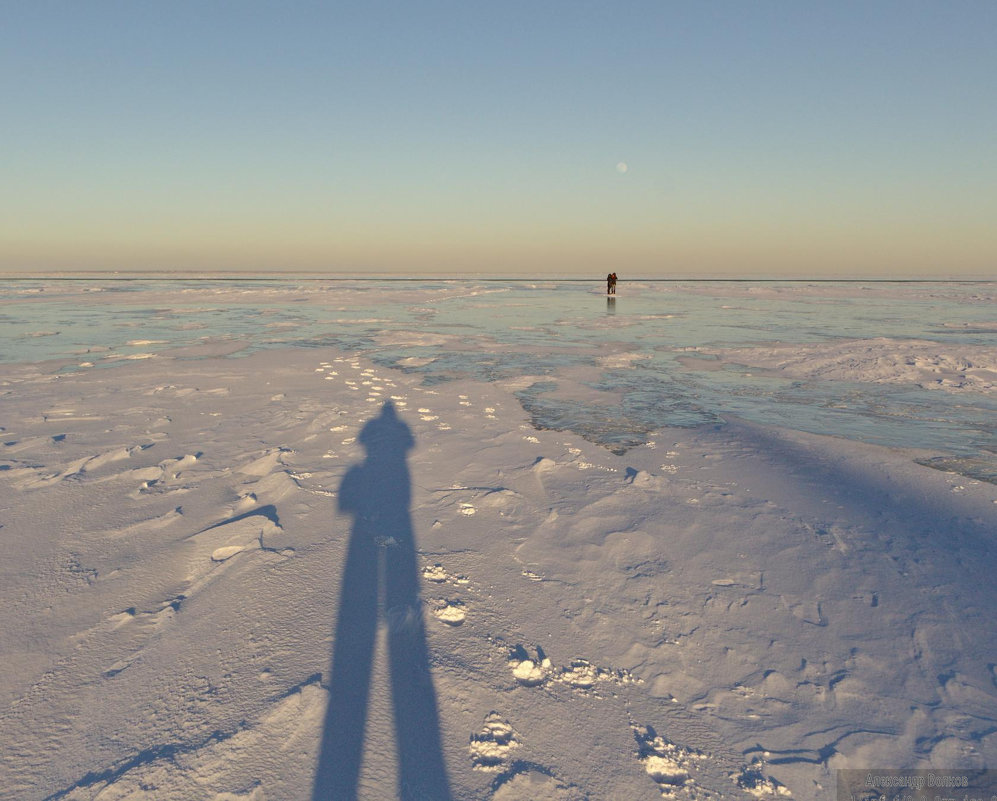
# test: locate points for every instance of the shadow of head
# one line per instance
(386, 433)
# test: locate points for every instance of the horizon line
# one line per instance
(261, 276)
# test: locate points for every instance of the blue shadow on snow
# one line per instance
(381, 585)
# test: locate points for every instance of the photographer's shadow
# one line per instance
(381, 585)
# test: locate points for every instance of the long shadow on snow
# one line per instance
(381, 584)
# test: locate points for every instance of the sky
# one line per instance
(670, 139)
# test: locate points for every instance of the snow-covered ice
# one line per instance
(702, 541)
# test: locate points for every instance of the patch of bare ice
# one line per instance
(414, 339)
(619, 361)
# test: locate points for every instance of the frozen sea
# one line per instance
(465, 540)
(902, 364)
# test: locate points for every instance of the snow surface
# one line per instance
(925, 364)
(209, 554)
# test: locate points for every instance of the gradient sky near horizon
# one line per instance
(660, 138)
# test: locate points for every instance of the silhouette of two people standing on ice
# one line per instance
(381, 586)
(611, 284)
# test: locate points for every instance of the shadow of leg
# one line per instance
(422, 771)
(356, 628)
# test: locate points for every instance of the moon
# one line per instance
(622, 167)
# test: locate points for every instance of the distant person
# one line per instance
(611, 284)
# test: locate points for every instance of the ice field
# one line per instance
(705, 540)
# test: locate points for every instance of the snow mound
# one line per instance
(930, 365)
(490, 748)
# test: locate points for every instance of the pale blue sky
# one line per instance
(767, 138)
